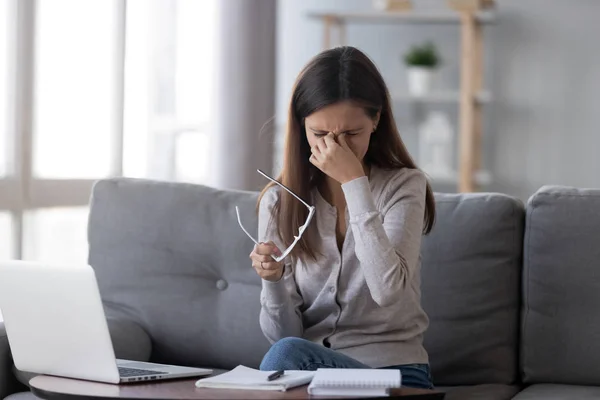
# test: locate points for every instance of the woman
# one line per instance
(348, 295)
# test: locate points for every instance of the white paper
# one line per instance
(349, 381)
(252, 379)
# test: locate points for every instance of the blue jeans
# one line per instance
(300, 354)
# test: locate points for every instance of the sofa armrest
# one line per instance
(8, 382)
(130, 340)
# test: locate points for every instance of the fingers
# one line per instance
(267, 249)
(315, 149)
(263, 261)
(269, 275)
(322, 143)
(326, 144)
(262, 258)
(328, 141)
(323, 146)
(342, 141)
(258, 262)
(316, 154)
(266, 265)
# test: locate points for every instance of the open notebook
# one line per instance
(354, 382)
(252, 379)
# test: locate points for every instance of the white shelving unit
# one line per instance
(442, 97)
(408, 17)
(481, 178)
(470, 98)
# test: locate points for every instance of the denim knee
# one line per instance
(286, 354)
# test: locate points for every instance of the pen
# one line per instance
(275, 375)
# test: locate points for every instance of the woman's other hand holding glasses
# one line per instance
(264, 265)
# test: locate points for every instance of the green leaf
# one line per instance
(424, 55)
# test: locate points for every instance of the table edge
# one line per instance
(50, 395)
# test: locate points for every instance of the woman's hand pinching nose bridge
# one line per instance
(332, 155)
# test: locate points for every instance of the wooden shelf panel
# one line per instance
(469, 98)
(408, 17)
(441, 97)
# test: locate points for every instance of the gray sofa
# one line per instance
(512, 292)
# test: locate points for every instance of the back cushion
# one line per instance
(561, 310)
(470, 287)
(173, 258)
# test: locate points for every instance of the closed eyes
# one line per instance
(320, 134)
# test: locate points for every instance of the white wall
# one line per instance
(244, 92)
(543, 70)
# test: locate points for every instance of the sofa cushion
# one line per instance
(559, 392)
(172, 258)
(471, 288)
(129, 340)
(561, 322)
(22, 396)
(480, 392)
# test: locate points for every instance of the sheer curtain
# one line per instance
(169, 75)
(164, 89)
(199, 90)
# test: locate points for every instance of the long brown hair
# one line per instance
(340, 74)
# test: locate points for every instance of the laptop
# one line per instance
(56, 325)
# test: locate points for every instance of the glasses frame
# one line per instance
(311, 213)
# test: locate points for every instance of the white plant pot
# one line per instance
(420, 80)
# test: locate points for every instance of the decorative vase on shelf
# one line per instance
(421, 62)
(419, 80)
(436, 143)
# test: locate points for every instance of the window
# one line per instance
(168, 88)
(75, 89)
(192, 154)
(68, 121)
(6, 247)
(56, 235)
(104, 87)
(6, 241)
(7, 197)
(4, 92)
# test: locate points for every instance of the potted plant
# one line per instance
(421, 62)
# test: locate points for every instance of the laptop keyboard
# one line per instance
(130, 372)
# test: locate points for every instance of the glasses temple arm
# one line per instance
(285, 187)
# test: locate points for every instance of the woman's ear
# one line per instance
(376, 121)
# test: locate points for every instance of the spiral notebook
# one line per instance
(354, 382)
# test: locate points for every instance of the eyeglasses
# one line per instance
(311, 212)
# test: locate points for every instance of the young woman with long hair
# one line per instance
(348, 295)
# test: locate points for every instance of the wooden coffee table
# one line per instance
(54, 388)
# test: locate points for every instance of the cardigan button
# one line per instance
(222, 284)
